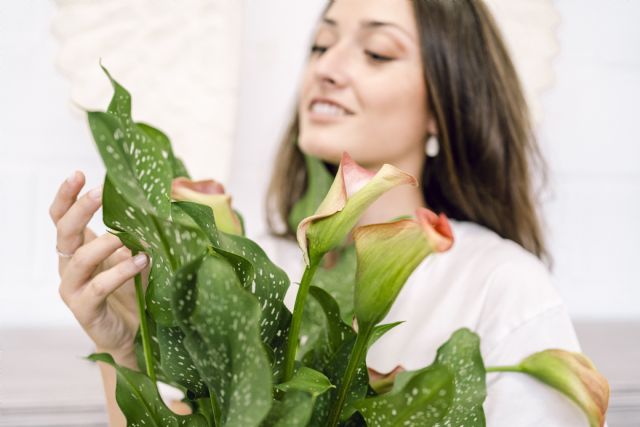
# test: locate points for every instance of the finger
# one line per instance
(105, 283)
(81, 266)
(71, 226)
(120, 255)
(66, 196)
(89, 235)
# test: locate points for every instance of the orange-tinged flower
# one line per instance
(210, 193)
(353, 190)
(387, 255)
(437, 228)
(382, 383)
(574, 375)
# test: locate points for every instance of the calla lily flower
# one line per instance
(382, 383)
(212, 194)
(387, 255)
(574, 375)
(353, 190)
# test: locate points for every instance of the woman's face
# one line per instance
(363, 89)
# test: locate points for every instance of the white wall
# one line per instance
(588, 132)
(591, 139)
(41, 142)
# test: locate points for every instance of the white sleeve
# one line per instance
(515, 399)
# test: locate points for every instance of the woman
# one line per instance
(427, 86)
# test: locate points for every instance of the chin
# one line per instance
(317, 147)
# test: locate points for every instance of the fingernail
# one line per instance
(73, 178)
(140, 260)
(96, 193)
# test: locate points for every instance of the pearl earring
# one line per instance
(432, 148)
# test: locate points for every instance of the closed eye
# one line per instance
(378, 58)
(316, 48)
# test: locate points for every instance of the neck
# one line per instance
(399, 201)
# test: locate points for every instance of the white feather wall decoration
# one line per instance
(530, 30)
(180, 59)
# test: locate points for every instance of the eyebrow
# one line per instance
(369, 24)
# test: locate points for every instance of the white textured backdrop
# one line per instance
(588, 131)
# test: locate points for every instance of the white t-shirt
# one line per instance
(495, 288)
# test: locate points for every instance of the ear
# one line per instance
(432, 125)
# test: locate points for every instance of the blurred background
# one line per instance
(220, 77)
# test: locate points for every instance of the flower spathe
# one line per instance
(210, 193)
(387, 255)
(574, 375)
(353, 190)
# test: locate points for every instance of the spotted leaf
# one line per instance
(140, 401)
(220, 320)
(170, 244)
(265, 280)
(422, 401)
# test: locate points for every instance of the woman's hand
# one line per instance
(96, 272)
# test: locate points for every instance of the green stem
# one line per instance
(514, 368)
(296, 320)
(217, 416)
(144, 327)
(357, 354)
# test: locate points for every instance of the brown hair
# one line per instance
(488, 151)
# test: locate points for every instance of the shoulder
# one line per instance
(514, 287)
(504, 267)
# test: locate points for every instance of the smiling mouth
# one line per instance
(330, 109)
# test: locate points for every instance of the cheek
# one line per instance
(395, 114)
(390, 124)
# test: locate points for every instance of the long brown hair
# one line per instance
(488, 151)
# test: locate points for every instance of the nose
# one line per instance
(331, 67)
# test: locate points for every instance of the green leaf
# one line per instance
(422, 401)
(103, 127)
(176, 362)
(309, 380)
(335, 370)
(333, 328)
(155, 351)
(140, 157)
(319, 181)
(140, 401)
(220, 322)
(258, 274)
(294, 410)
(461, 354)
(465, 391)
(380, 330)
(203, 406)
(164, 144)
(170, 244)
(340, 280)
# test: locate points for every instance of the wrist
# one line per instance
(123, 357)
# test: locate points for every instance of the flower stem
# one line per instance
(144, 328)
(296, 320)
(358, 352)
(217, 417)
(514, 368)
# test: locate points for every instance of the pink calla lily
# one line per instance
(353, 190)
(382, 383)
(387, 255)
(210, 193)
(574, 375)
